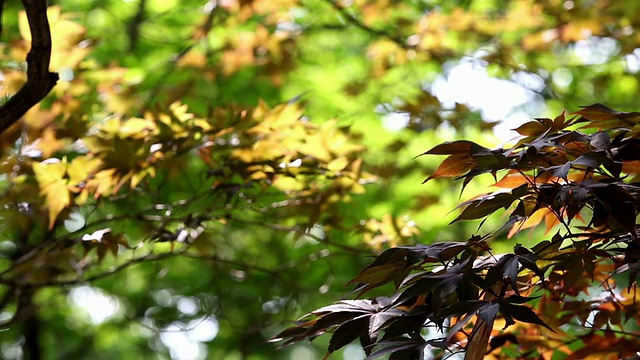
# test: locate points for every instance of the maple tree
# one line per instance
(557, 174)
(207, 171)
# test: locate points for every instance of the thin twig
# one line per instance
(201, 31)
(359, 24)
(112, 271)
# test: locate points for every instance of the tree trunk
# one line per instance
(31, 326)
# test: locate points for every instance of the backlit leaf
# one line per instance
(452, 147)
(599, 112)
(53, 186)
(452, 166)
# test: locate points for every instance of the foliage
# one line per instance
(228, 165)
(561, 171)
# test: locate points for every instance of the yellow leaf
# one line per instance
(47, 173)
(111, 126)
(358, 189)
(261, 110)
(137, 177)
(313, 146)
(203, 124)
(268, 150)
(104, 181)
(80, 168)
(122, 181)
(48, 143)
(97, 144)
(287, 183)
(53, 186)
(58, 199)
(258, 175)
(138, 128)
(20, 179)
(180, 111)
(192, 59)
(82, 198)
(338, 164)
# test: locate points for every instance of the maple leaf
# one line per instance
(53, 186)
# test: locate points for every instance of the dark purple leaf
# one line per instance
(348, 332)
(500, 340)
(485, 206)
(410, 323)
(591, 159)
(600, 141)
(441, 252)
(398, 345)
(364, 306)
(528, 261)
(521, 313)
(488, 313)
(296, 332)
(517, 299)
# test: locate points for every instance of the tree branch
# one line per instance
(133, 29)
(31, 326)
(112, 271)
(40, 80)
(359, 24)
(1, 10)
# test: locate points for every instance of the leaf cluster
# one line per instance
(579, 172)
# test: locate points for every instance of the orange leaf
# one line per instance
(512, 180)
(631, 167)
(533, 220)
(454, 165)
(531, 128)
(599, 112)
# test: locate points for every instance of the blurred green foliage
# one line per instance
(266, 245)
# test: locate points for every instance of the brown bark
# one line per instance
(40, 80)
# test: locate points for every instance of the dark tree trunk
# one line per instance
(31, 327)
